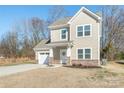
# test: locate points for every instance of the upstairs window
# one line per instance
(80, 31)
(83, 30)
(87, 30)
(64, 34)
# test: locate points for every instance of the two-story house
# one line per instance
(74, 39)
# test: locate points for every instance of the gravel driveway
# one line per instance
(8, 70)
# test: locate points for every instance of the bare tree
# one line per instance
(113, 27)
(54, 13)
(9, 44)
(30, 32)
(27, 33)
(37, 29)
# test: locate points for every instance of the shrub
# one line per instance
(79, 65)
(119, 56)
(73, 64)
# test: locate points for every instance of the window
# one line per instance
(80, 53)
(80, 31)
(87, 53)
(63, 34)
(87, 30)
(84, 53)
(84, 30)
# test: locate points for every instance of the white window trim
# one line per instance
(77, 31)
(90, 54)
(83, 31)
(61, 34)
(90, 30)
(83, 53)
(77, 53)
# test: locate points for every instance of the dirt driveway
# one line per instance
(65, 77)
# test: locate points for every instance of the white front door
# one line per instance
(63, 56)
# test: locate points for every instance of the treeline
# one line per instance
(20, 41)
(112, 40)
(24, 35)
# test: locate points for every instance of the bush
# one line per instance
(73, 65)
(119, 56)
(77, 65)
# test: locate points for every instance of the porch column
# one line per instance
(51, 56)
(69, 54)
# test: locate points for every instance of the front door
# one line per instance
(63, 56)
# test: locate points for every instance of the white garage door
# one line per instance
(43, 58)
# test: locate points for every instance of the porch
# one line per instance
(60, 52)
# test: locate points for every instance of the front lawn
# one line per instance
(67, 77)
(13, 61)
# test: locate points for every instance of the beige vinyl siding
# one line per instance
(55, 35)
(84, 42)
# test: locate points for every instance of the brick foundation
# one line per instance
(87, 63)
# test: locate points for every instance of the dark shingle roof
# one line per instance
(61, 21)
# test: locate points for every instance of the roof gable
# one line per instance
(85, 10)
(60, 22)
(67, 20)
(42, 44)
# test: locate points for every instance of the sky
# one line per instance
(12, 14)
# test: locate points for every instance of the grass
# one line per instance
(13, 64)
(67, 77)
(105, 73)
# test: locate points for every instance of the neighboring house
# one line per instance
(73, 40)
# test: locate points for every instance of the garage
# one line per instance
(42, 52)
(43, 57)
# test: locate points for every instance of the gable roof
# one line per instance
(42, 44)
(60, 22)
(87, 11)
(67, 20)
